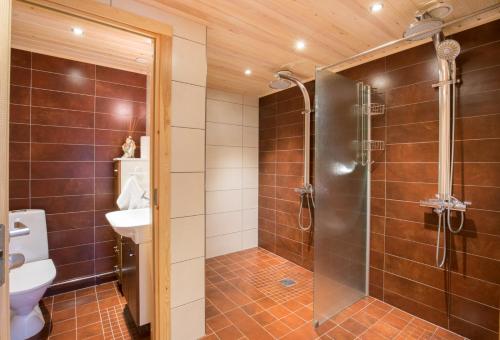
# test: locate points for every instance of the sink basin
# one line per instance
(134, 223)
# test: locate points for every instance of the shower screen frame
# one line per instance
(342, 187)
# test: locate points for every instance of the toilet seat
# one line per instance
(31, 276)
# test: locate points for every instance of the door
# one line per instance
(341, 188)
(5, 11)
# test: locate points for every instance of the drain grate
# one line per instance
(287, 282)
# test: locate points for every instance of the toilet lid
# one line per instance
(31, 276)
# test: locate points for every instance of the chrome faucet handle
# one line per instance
(16, 260)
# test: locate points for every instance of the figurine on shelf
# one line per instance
(128, 148)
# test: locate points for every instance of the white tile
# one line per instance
(250, 157)
(187, 281)
(250, 178)
(224, 157)
(223, 223)
(224, 134)
(225, 244)
(224, 96)
(251, 116)
(250, 136)
(189, 62)
(187, 194)
(188, 321)
(224, 112)
(250, 219)
(251, 101)
(182, 27)
(223, 179)
(223, 201)
(249, 238)
(188, 105)
(250, 198)
(187, 238)
(188, 150)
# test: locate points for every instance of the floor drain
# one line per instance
(287, 282)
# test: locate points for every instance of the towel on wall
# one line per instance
(133, 196)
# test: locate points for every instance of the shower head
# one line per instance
(281, 83)
(427, 26)
(448, 49)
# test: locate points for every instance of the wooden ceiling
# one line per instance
(260, 34)
(45, 31)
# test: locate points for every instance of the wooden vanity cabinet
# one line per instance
(130, 277)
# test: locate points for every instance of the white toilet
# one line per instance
(29, 282)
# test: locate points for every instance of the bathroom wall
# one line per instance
(67, 122)
(403, 273)
(189, 70)
(232, 172)
(281, 140)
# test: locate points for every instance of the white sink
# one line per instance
(134, 223)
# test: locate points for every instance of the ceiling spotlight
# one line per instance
(300, 45)
(376, 7)
(248, 72)
(141, 60)
(77, 30)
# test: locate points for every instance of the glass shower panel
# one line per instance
(341, 187)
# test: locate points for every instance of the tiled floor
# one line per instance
(246, 301)
(90, 313)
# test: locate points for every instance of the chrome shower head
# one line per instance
(280, 83)
(448, 49)
(428, 26)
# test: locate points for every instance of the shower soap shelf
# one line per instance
(373, 145)
(375, 109)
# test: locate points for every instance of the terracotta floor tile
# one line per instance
(105, 286)
(353, 326)
(210, 337)
(89, 330)
(67, 304)
(64, 297)
(304, 332)
(109, 302)
(376, 311)
(63, 315)
(385, 329)
(252, 308)
(64, 336)
(87, 308)
(325, 327)
(293, 305)
(279, 311)
(211, 311)
(365, 318)
(293, 321)
(87, 319)
(64, 326)
(249, 327)
(395, 321)
(419, 323)
(266, 302)
(218, 322)
(305, 313)
(338, 333)
(264, 318)
(277, 328)
(371, 334)
(229, 333)
(446, 335)
(81, 300)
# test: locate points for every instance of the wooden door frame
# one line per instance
(161, 35)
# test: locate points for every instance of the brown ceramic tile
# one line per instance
(63, 83)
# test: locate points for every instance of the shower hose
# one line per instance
(444, 215)
(307, 196)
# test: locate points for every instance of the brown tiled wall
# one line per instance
(67, 122)
(466, 297)
(281, 139)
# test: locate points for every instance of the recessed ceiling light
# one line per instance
(376, 7)
(248, 72)
(300, 45)
(141, 60)
(77, 30)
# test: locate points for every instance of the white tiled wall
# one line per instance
(232, 172)
(189, 71)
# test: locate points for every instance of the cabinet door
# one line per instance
(130, 276)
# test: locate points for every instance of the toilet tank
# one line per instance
(33, 246)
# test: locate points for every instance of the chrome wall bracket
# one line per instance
(2, 254)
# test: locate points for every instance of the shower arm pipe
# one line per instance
(307, 126)
(416, 34)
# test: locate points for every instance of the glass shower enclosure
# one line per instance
(342, 184)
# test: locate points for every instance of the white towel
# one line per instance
(132, 195)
